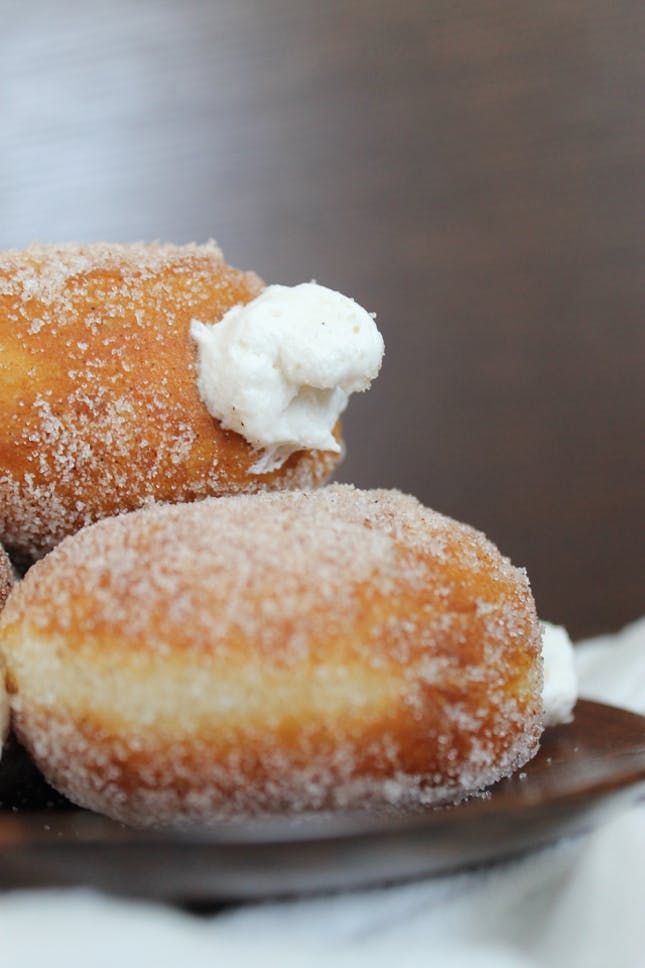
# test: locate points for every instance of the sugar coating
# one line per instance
(99, 406)
(43, 272)
(277, 652)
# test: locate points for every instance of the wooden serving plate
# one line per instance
(584, 770)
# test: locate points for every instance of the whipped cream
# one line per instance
(560, 689)
(280, 369)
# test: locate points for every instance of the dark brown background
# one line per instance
(472, 171)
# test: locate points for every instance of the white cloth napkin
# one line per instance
(580, 903)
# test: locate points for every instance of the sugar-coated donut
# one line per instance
(6, 581)
(277, 652)
(99, 406)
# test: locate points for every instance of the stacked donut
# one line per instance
(100, 411)
(235, 644)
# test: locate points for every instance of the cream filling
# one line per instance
(280, 369)
(560, 689)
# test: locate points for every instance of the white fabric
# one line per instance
(581, 903)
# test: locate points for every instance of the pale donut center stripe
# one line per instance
(151, 690)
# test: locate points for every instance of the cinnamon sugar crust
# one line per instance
(99, 407)
(279, 652)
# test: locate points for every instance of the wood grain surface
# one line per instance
(473, 172)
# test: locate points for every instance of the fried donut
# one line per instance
(280, 652)
(99, 406)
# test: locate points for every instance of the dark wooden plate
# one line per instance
(583, 771)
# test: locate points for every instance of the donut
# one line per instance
(6, 581)
(100, 411)
(273, 653)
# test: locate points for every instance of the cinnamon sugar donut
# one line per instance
(277, 652)
(99, 407)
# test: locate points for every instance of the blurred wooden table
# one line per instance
(472, 171)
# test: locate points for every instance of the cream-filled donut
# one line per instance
(117, 391)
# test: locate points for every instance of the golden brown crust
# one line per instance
(99, 407)
(278, 652)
